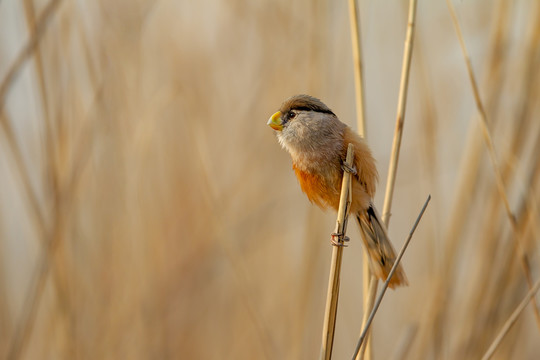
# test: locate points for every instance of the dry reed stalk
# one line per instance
(400, 119)
(62, 207)
(470, 170)
(530, 226)
(465, 190)
(522, 126)
(435, 314)
(13, 72)
(38, 61)
(337, 254)
(163, 335)
(429, 126)
(25, 324)
(491, 151)
(511, 321)
(494, 281)
(53, 238)
(18, 162)
(529, 203)
(62, 204)
(488, 245)
(358, 67)
(385, 285)
(5, 322)
(532, 59)
(369, 281)
(36, 34)
(398, 132)
(28, 50)
(356, 38)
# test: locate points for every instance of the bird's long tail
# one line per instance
(382, 254)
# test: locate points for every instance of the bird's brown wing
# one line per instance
(381, 252)
(363, 161)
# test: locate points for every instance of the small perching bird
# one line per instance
(317, 141)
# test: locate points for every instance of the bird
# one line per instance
(317, 142)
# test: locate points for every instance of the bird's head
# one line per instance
(305, 123)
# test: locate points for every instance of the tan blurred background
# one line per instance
(148, 212)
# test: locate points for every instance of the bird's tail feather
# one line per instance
(382, 254)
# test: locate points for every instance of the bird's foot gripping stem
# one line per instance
(349, 169)
(339, 239)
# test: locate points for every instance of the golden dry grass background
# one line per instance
(147, 211)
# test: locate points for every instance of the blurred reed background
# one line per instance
(148, 212)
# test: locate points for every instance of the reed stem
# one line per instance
(337, 254)
(398, 133)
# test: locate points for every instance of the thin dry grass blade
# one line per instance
(385, 285)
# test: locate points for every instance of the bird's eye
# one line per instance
(291, 114)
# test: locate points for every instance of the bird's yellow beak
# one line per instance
(275, 121)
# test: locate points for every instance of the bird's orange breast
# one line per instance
(317, 189)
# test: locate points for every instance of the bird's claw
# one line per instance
(349, 169)
(339, 239)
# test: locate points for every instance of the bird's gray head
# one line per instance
(306, 124)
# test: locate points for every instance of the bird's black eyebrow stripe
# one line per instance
(308, 108)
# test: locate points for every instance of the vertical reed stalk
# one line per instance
(396, 144)
(356, 38)
(400, 119)
(358, 67)
(337, 254)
